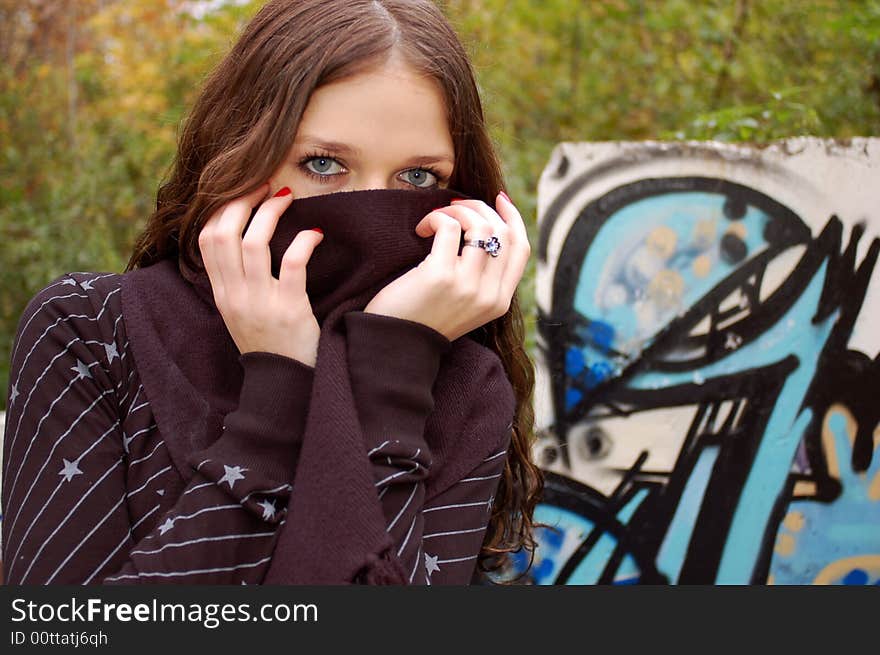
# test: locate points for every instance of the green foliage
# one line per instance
(91, 97)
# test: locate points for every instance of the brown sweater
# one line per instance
(91, 495)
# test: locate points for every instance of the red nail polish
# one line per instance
(319, 230)
(506, 197)
(457, 199)
(283, 191)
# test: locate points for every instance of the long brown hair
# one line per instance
(240, 130)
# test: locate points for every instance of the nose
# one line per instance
(371, 180)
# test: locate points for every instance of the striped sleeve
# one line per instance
(393, 364)
(66, 495)
(455, 523)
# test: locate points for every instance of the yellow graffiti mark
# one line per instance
(832, 573)
(785, 545)
(874, 488)
(662, 241)
(738, 229)
(805, 489)
(702, 266)
(666, 289)
(704, 233)
(794, 521)
(828, 436)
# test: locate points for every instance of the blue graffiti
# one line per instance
(661, 299)
(835, 531)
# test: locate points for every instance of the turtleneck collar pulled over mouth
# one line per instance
(369, 240)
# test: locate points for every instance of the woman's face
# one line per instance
(382, 129)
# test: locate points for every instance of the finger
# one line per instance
(447, 236)
(494, 271)
(256, 255)
(518, 250)
(227, 238)
(495, 220)
(206, 250)
(473, 260)
(292, 276)
(208, 246)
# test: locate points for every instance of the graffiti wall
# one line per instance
(709, 384)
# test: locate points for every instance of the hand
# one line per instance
(454, 293)
(260, 312)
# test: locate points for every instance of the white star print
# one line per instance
(489, 503)
(431, 563)
(110, 349)
(231, 474)
(732, 341)
(81, 369)
(268, 509)
(69, 280)
(70, 469)
(86, 285)
(165, 527)
(161, 492)
(126, 440)
(14, 394)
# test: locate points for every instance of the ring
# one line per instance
(491, 245)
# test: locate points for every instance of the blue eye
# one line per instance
(323, 166)
(419, 177)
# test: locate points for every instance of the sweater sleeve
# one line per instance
(393, 364)
(66, 496)
(455, 523)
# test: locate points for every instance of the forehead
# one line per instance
(391, 109)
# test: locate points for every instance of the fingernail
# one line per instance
(506, 197)
(283, 191)
(318, 230)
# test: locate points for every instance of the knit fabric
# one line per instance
(140, 446)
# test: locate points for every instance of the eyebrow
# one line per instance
(335, 147)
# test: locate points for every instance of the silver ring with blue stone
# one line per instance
(491, 245)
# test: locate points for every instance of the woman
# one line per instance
(353, 407)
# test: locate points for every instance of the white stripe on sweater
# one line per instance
(403, 509)
(399, 473)
(52, 495)
(484, 477)
(173, 574)
(65, 520)
(145, 457)
(39, 310)
(27, 400)
(54, 446)
(201, 540)
(121, 544)
(457, 559)
(60, 319)
(149, 479)
(86, 538)
(446, 534)
(434, 509)
(406, 541)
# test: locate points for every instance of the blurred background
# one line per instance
(92, 94)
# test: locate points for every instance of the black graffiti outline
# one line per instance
(842, 274)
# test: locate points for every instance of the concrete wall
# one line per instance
(709, 388)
